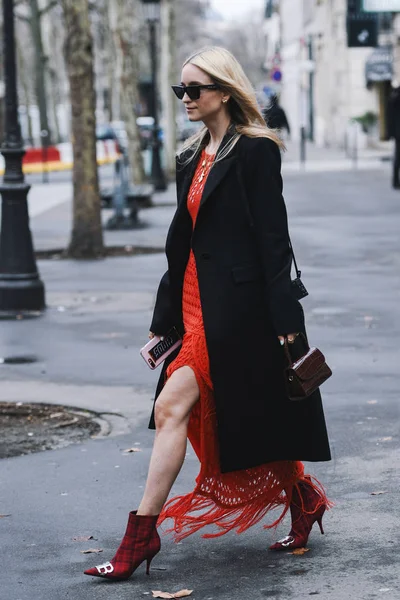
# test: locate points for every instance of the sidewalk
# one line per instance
(50, 209)
(344, 226)
(334, 159)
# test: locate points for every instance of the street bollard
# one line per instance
(303, 145)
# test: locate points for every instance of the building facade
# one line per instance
(330, 90)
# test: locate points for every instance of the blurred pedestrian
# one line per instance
(228, 293)
(275, 117)
(394, 131)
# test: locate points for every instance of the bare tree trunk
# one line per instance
(50, 39)
(112, 75)
(168, 77)
(2, 93)
(110, 63)
(25, 87)
(1, 118)
(87, 236)
(40, 67)
(54, 96)
(126, 42)
(111, 82)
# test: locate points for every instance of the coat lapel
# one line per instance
(182, 218)
(216, 175)
(220, 168)
(186, 176)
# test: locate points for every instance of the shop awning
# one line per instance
(379, 65)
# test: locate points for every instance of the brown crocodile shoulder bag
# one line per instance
(304, 375)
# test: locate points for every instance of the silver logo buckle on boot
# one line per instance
(286, 541)
(105, 569)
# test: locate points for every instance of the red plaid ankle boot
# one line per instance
(306, 508)
(141, 542)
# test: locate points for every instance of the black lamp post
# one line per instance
(20, 285)
(152, 14)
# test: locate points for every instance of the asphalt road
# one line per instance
(345, 232)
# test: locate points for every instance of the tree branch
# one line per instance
(47, 8)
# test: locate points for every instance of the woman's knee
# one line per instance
(177, 399)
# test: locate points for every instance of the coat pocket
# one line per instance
(246, 273)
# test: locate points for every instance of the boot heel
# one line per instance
(319, 521)
(307, 508)
(148, 565)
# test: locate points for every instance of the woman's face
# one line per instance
(210, 104)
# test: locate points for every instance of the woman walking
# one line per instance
(228, 292)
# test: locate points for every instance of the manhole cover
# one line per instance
(17, 360)
(27, 428)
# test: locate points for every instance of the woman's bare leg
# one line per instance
(172, 413)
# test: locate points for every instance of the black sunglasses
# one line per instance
(193, 91)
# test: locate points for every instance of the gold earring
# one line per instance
(225, 101)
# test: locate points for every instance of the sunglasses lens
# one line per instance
(179, 91)
(193, 91)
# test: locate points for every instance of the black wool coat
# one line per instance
(240, 243)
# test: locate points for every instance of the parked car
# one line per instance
(146, 125)
(116, 131)
(107, 131)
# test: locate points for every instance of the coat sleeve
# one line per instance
(162, 320)
(262, 178)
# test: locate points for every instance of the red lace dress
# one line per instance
(235, 500)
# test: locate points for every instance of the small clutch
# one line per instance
(158, 348)
(306, 374)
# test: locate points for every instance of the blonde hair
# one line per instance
(226, 71)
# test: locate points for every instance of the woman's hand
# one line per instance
(290, 337)
(152, 335)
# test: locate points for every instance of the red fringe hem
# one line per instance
(194, 511)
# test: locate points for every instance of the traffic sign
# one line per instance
(362, 32)
(276, 75)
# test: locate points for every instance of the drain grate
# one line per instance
(18, 360)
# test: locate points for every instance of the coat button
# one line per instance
(206, 256)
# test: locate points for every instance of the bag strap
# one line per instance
(251, 221)
(298, 272)
(287, 352)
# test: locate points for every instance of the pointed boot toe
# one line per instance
(93, 572)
